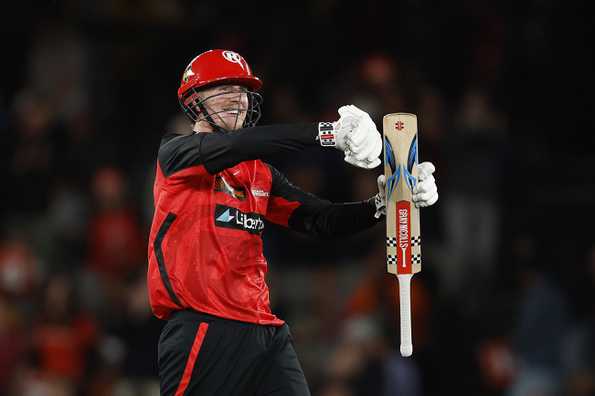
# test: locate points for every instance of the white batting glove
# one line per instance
(425, 192)
(355, 134)
(380, 198)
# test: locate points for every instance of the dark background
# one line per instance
(504, 304)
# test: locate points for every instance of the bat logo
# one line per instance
(399, 125)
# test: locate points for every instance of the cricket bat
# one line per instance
(403, 238)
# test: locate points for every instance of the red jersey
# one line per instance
(212, 196)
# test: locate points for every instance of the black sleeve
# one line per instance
(306, 213)
(218, 151)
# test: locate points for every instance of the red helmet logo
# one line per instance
(233, 57)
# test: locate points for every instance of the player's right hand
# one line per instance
(358, 137)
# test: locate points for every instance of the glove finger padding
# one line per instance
(369, 143)
(355, 111)
(362, 164)
(424, 185)
(426, 193)
(349, 111)
(377, 149)
(358, 136)
(365, 152)
(373, 164)
(356, 139)
(429, 202)
(350, 159)
(424, 196)
(344, 124)
(381, 182)
(352, 114)
(362, 122)
(425, 169)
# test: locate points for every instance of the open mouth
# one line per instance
(233, 112)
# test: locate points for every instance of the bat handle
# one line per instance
(405, 307)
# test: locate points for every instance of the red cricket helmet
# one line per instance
(218, 67)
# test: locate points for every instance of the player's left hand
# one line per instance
(425, 192)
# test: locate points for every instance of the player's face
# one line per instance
(227, 105)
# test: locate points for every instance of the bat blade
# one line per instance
(403, 238)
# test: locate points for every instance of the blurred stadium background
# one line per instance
(505, 303)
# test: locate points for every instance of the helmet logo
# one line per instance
(233, 57)
(187, 73)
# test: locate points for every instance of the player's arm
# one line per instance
(218, 151)
(354, 133)
(298, 210)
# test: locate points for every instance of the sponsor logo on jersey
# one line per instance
(228, 217)
(259, 192)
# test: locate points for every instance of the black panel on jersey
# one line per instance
(218, 151)
(322, 218)
(161, 261)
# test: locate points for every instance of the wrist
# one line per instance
(372, 209)
(379, 203)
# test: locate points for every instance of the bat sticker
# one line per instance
(412, 155)
(390, 158)
(393, 179)
(411, 160)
